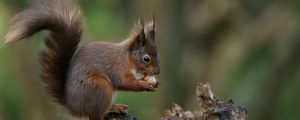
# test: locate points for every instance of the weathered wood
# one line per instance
(210, 108)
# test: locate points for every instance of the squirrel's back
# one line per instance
(65, 23)
(103, 57)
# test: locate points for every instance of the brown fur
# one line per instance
(85, 82)
(65, 23)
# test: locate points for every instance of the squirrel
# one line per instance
(84, 80)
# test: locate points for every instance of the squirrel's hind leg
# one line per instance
(91, 96)
(120, 108)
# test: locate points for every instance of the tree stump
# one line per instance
(210, 108)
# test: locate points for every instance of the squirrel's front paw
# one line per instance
(146, 86)
(157, 84)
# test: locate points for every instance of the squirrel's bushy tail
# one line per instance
(65, 23)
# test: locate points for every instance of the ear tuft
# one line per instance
(150, 29)
(152, 22)
(138, 38)
(141, 23)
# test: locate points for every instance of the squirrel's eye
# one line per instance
(146, 58)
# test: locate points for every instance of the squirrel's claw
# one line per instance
(151, 90)
(119, 108)
(116, 111)
(157, 84)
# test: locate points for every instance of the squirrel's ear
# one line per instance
(139, 39)
(150, 29)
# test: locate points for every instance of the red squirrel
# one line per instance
(84, 81)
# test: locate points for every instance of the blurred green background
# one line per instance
(248, 50)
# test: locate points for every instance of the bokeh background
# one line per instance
(248, 50)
